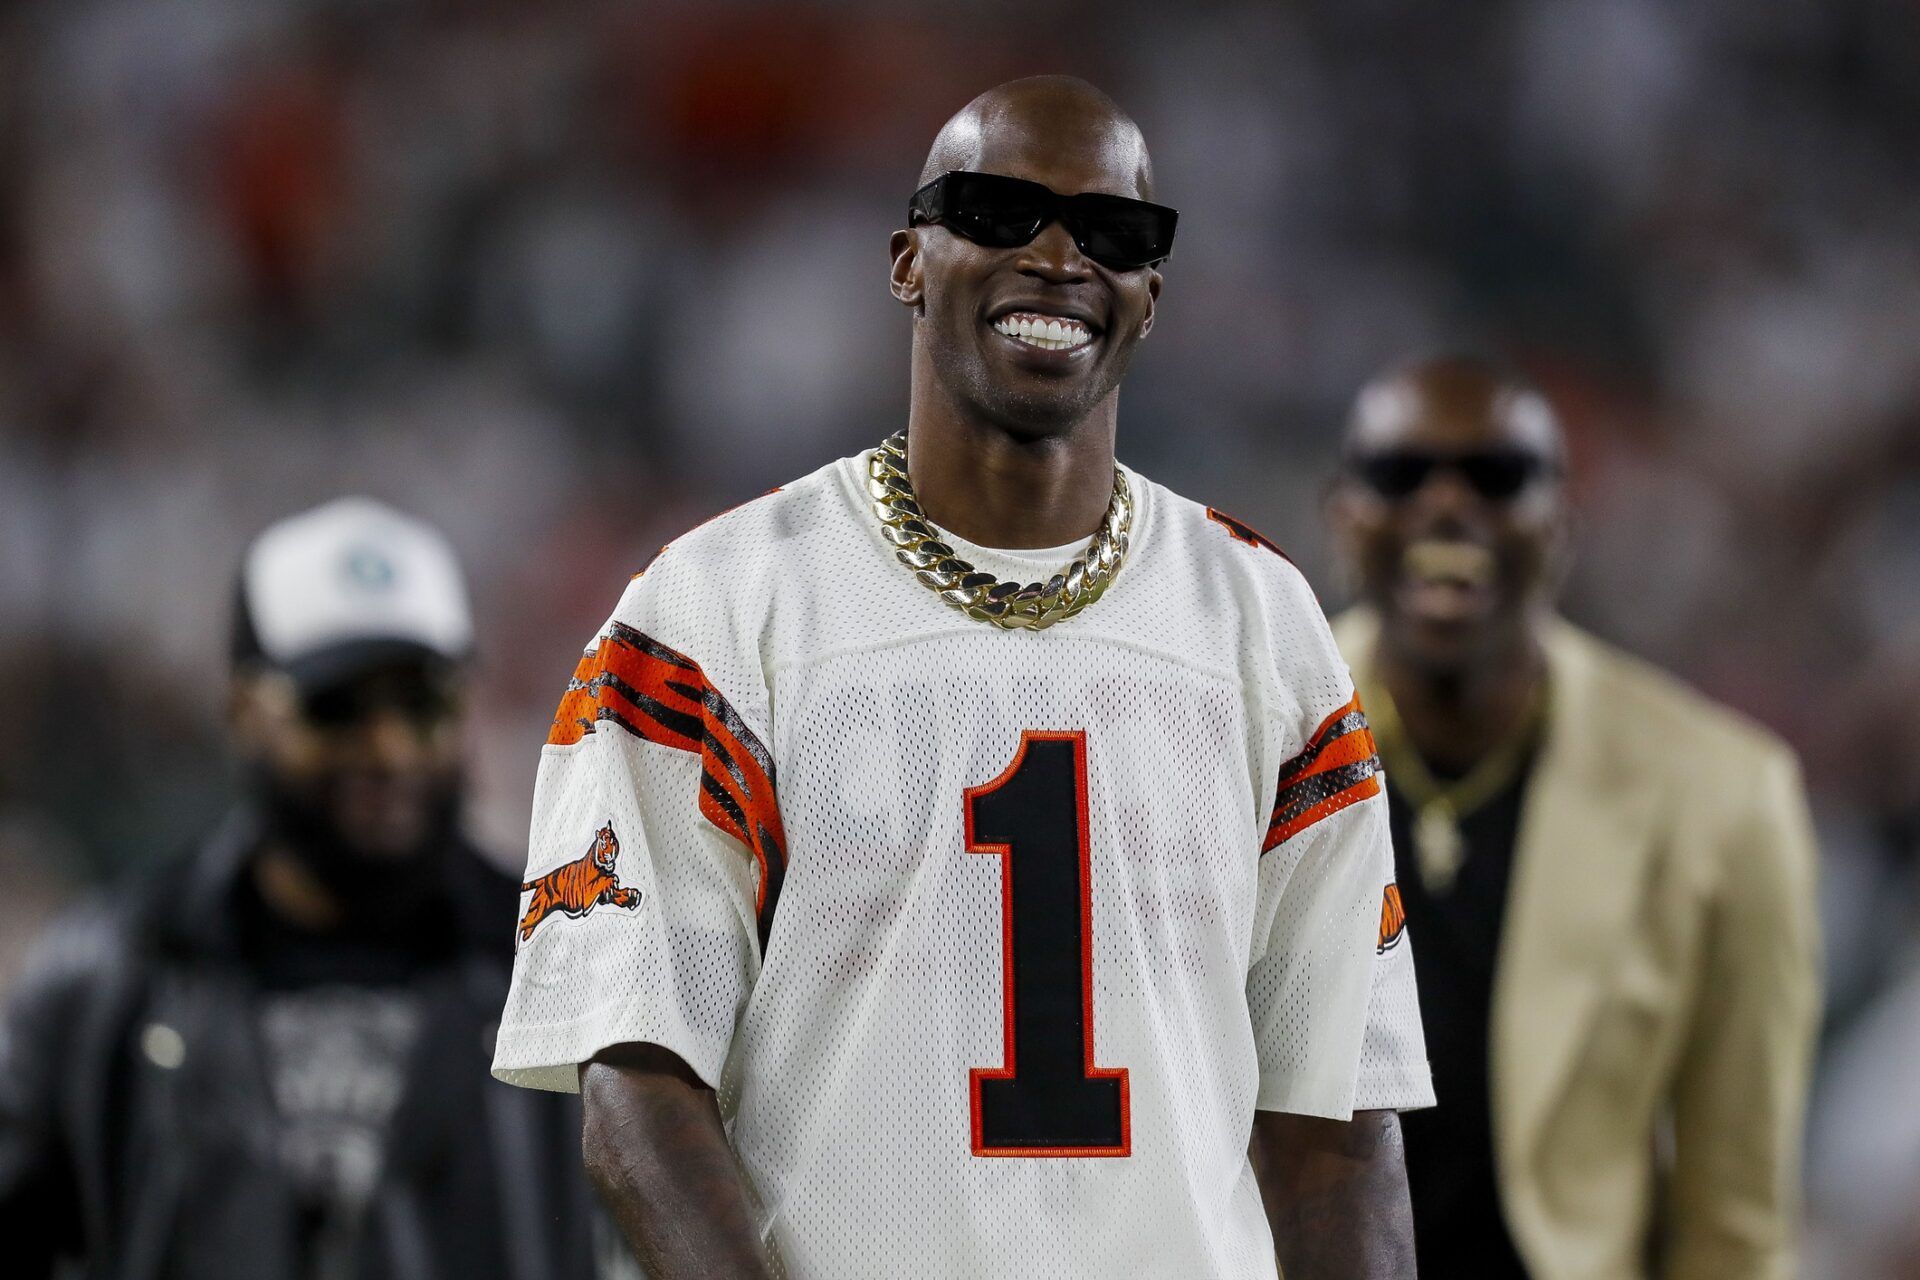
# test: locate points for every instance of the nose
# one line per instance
(389, 740)
(1054, 257)
(1444, 497)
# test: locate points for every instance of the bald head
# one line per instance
(1026, 123)
(966, 286)
(1454, 402)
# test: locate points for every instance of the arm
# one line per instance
(1336, 1195)
(40, 1202)
(655, 1150)
(1335, 1191)
(1739, 1096)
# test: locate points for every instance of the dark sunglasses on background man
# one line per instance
(1004, 213)
(424, 698)
(1495, 474)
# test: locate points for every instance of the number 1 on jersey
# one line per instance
(1048, 1099)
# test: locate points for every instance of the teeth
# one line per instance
(1049, 333)
(1448, 560)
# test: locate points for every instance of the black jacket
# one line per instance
(135, 1116)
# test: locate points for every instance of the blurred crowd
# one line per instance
(565, 279)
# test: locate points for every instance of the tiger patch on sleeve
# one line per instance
(660, 695)
(575, 888)
(1393, 920)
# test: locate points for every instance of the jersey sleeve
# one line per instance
(1394, 1075)
(1330, 985)
(655, 852)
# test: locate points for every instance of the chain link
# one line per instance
(918, 545)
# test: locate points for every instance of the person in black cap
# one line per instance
(271, 1060)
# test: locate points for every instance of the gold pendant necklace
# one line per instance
(1439, 808)
(919, 545)
(1438, 844)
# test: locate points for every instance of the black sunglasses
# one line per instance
(1005, 213)
(1495, 474)
(422, 699)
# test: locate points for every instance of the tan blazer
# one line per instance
(1656, 995)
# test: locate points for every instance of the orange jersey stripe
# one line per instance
(661, 695)
(1339, 766)
(1333, 804)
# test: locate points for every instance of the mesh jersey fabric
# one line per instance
(839, 965)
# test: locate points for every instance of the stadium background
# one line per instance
(568, 278)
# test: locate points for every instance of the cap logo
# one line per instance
(367, 568)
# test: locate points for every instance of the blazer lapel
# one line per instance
(1585, 839)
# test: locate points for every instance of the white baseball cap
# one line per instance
(347, 586)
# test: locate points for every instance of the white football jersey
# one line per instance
(991, 942)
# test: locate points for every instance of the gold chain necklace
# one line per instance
(1440, 807)
(919, 545)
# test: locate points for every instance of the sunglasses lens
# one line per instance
(1496, 475)
(1499, 476)
(332, 708)
(1004, 213)
(1119, 233)
(1394, 475)
(422, 701)
(998, 212)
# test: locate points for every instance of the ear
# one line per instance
(1153, 296)
(907, 283)
(259, 704)
(1338, 517)
(1560, 553)
(246, 714)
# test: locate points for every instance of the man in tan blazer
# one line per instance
(1611, 878)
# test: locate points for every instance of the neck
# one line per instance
(1455, 718)
(991, 486)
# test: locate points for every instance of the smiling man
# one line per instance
(1611, 878)
(1008, 868)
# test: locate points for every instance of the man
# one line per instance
(270, 1062)
(1610, 877)
(1068, 894)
